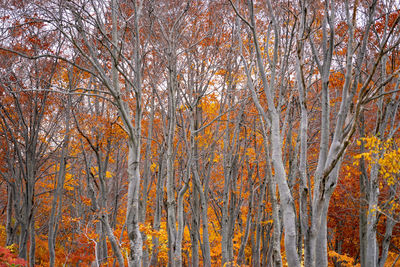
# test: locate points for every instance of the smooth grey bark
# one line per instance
(181, 224)
(276, 219)
(112, 239)
(135, 255)
(195, 225)
(10, 230)
(101, 248)
(304, 190)
(106, 230)
(32, 243)
(259, 217)
(363, 197)
(28, 207)
(372, 246)
(12, 199)
(147, 173)
(116, 187)
(390, 223)
(180, 216)
(170, 180)
(170, 183)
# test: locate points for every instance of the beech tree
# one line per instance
(88, 33)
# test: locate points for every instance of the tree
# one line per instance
(27, 128)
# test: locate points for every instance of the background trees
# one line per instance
(200, 133)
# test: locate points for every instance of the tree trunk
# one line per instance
(134, 133)
(181, 225)
(276, 220)
(171, 202)
(245, 238)
(390, 223)
(113, 241)
(132, 215)
(147, 173)
(372, 246)
(363, 198)
(321, 253)
(56, 203)
(32, 245)
(10, 228)
(27, 218)
(204, 219)
(158, 207)
(195, 226)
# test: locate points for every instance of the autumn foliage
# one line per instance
(8, 258)
(199, 133)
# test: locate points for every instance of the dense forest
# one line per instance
(200, 133)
